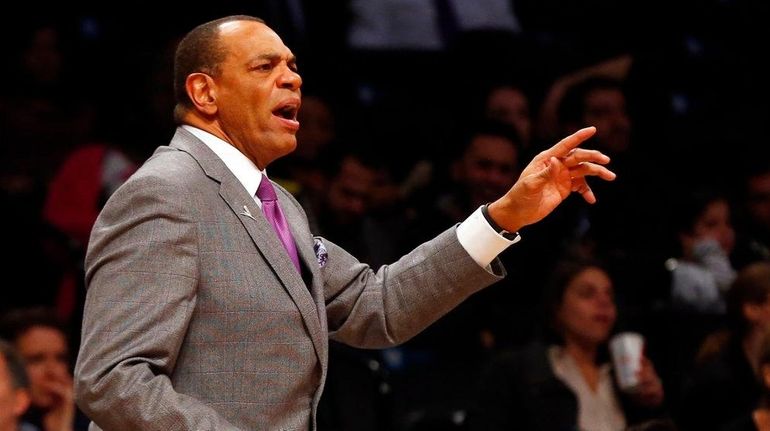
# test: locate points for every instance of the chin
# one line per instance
(290, 144)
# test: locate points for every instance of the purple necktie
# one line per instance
(266, 194)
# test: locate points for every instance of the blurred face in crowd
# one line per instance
(605, 108)
(13, 401)
(43, 57)
(759, 201)
(317, 129)
(509, 105)
(488, 168)
(350, 190)
(714, 223)
(759, 315)
(257, 92)
(587, 312)
(45, 352)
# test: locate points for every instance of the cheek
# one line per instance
(572, 317)
(35, 370)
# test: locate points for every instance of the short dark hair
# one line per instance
(487, 127)
(573, 104)
(15, 365)
(199, 51)
(15, 323)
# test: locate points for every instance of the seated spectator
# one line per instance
(723, 385)
(14, 389)
(509, 104)
(703, 273)
(759, 418)
(42, 342)
(485, 163)
(565, 381)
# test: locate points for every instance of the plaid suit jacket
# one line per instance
(196, 319)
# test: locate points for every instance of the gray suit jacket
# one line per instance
(196, 319)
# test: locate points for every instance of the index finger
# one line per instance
(563, 147)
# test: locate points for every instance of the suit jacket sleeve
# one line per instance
(141, 272)
(387, 307)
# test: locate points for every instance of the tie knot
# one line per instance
(265, 191)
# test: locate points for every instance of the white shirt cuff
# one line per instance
(481, 242)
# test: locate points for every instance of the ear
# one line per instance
(21, 403)
(201, 89)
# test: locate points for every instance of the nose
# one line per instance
(289, 79)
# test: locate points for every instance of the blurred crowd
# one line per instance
(414, 114)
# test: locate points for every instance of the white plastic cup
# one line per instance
(626, 350)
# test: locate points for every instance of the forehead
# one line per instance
(244, 38)
(491, 146)
(32, 338)
(591, 276)
(602, 96)
(507, 96)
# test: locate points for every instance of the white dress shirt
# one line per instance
(478, 238)
(598, 410)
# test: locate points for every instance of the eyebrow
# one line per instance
(275, 56)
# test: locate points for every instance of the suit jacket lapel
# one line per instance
(305, 248)
(260, 231)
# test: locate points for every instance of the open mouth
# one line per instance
(287, 111)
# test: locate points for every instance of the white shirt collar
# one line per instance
(597, 410)
(241, 166)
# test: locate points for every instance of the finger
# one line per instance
(563, 147)
(581, 186)
(580, 155)
(591, 169)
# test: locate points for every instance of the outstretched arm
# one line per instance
(548, 179)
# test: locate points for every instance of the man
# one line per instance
(204, 314)
(14, 388)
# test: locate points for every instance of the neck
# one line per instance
(582, 352)
(584, 355)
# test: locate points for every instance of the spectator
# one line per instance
(759, 418)
(703, 273)
(565, 381)
(723, 386)
(42, 342)
(509, 104)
